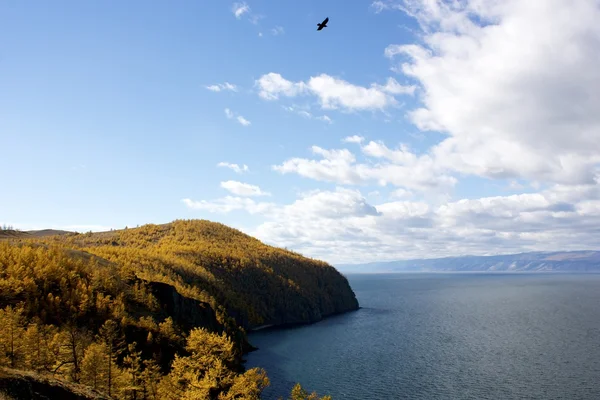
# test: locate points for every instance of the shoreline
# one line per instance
(291, 325)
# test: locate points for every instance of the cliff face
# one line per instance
(186, 312)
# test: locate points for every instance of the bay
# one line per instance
(446, 336)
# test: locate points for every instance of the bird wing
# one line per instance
(325, 21)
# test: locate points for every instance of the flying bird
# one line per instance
(323, 24)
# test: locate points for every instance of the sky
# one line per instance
(405, 129)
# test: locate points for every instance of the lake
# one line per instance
(446, 336)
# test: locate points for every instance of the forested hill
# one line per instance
(156, 312)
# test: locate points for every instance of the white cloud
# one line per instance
(306, 114)
(512, 87)
(231, 115)
(243, 121)
(333, 93)
(228, 204)
(243, 189)
(325, 118)
(336, 93)
(399, 168)
(401, 193)
(278, 30)
(234, 167)
(353, 139)
(273, 85)
(239, 9)
(393, 87)
(222, 86)
(380, 5)
(514, 84)
(412, 229)
(342, 226)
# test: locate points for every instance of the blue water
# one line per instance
(447, 336)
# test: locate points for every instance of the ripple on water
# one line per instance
(451, 336)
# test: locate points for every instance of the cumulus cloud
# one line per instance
(514, 84)
(239, 169)
(393, 87)
(273, 85)
(243, 189)
(414, 229)
(353, 139)
(333, 93)
(342, 226)
(398, 168)
(222, 87)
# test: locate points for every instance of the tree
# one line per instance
(248, 386)
(94, 371)
(12, 322)
(40, 349)
(71, 343)
(112, 338)
(151, 377)
(134, 367)
(206, 372)
(298, 393)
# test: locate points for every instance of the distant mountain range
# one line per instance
(560, 261)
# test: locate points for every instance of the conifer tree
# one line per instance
(40, 349)
(94, 367)
(12, 322)
(112, 338)
(134, 367)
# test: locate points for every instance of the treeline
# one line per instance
(105, 362)
(84, 308)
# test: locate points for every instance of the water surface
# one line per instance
(447, 336)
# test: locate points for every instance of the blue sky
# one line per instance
(118, 113)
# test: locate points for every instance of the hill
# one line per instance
(560, 261)
(16, 234)
(160, 310)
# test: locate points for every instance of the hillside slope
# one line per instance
(147, 302)
(563, 261)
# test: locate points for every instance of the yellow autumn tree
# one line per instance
(12, 323)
